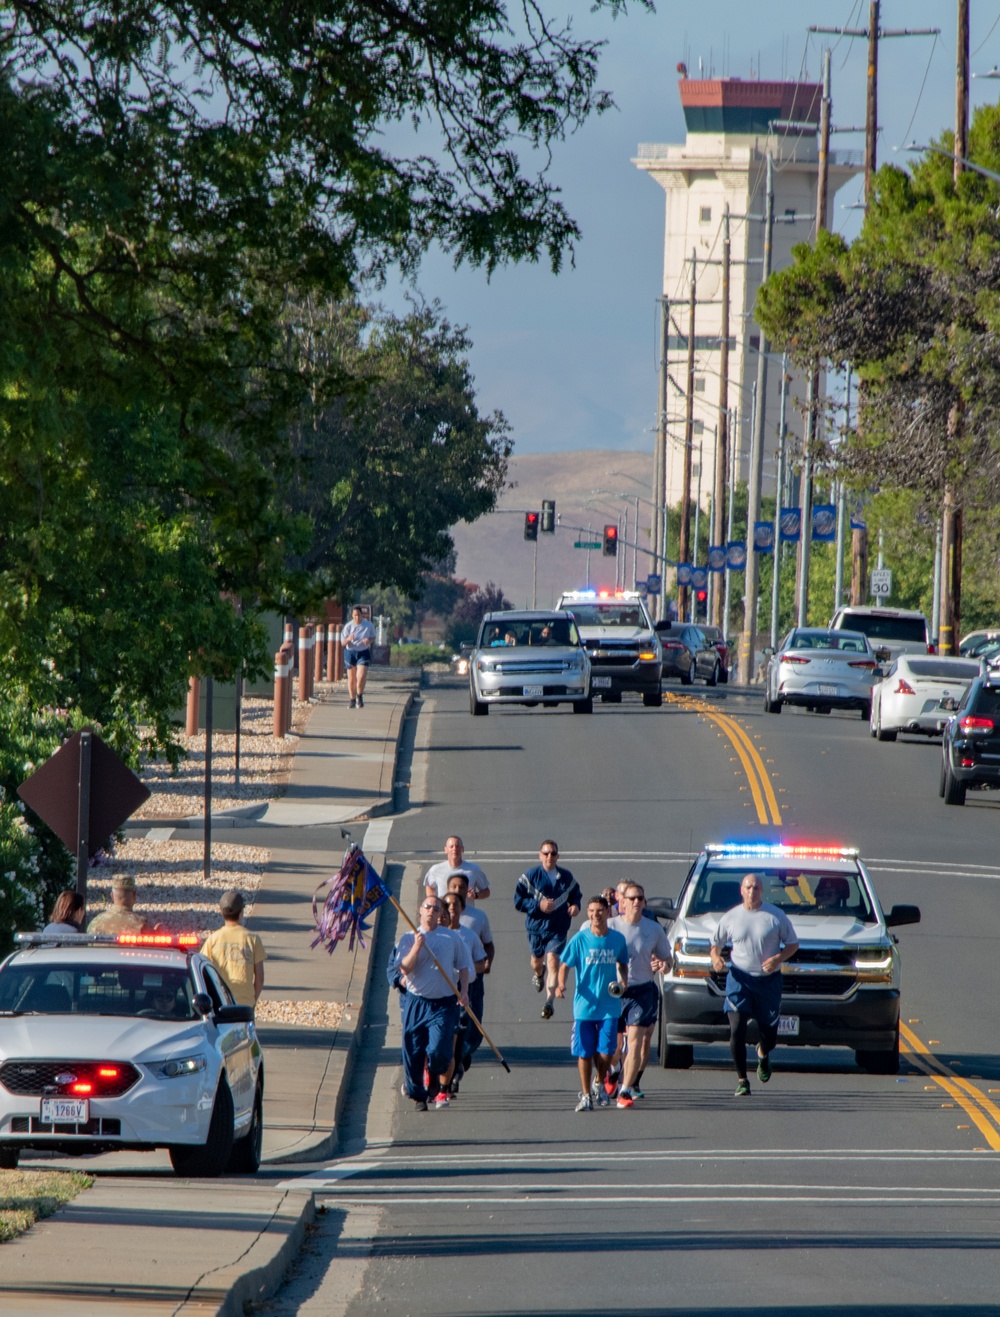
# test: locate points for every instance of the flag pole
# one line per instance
(468, 1010)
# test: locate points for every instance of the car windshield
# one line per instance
(877, 626)
(539, 631)
(842, 640)
(607, 615)
(795, 891)
(944, 669)
(89, 989)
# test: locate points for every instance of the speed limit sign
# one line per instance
(881, 583)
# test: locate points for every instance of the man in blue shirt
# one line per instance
(548, 897)
(599, 957)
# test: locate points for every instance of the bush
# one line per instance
(415, 656)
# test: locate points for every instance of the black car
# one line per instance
(688, 654)
(970, 743)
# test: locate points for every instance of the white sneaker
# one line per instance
(585, 1103)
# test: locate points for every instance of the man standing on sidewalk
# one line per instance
(237, 953)
(762, 939)
(599, 957)
(648, 953)
(430, 1007)
(436, 877)
(548, 897)
(357, 638)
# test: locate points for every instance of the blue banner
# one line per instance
(763, 536)
(699, 577)
(683, 573)
(654, 583)
(736, 555)
(717, 558)
(824, 522)
(791, 525)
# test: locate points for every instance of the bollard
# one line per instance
(331, 646)
(281, 681)
(338, 659)
(304, 656)
(288, 659)
(318, 656)
(193, 703)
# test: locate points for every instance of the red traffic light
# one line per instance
(701, 595)
(531, 525)
(610, 541)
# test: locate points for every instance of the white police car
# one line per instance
(130, 1043)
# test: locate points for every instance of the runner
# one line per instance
(648, 954)
(599, 958)
(548, 897)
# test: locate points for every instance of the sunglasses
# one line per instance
(549, 852)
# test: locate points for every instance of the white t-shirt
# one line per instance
(358, 635)
(425, 978)
(478, 920)
(754, 935)
(438, 874)
(644, 940)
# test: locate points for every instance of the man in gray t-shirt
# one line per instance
(648, 953)
(762, 939)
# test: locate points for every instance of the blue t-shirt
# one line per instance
(595, 961)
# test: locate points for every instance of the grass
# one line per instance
(28, 1196)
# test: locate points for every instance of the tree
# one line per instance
(468, 614)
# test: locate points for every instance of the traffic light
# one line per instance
(531, 525)
(610, 541)
(700, 596)
(548, 516)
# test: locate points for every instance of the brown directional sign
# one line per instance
(53, 792)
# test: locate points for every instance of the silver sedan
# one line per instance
(821, 670)
(918, 694)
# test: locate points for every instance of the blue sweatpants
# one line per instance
(477, 993)
(428, 1037)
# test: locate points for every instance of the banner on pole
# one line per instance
(736, 555)
(791, 525)
(717, 558)
(763, 536)
(824, 523)
(699, 577)
(683, 573)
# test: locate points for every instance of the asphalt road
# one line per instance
(829, 1191)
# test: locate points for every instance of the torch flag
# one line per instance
(352, 895)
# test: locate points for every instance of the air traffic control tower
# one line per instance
(732, 127)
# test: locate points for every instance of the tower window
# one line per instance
(706, 214)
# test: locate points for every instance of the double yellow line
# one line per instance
(983, 1113)
(764, 799)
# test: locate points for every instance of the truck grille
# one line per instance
(806, 985)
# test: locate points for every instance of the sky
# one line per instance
(570, 359)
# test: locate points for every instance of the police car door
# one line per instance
(234, 1045)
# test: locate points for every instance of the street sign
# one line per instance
(881, 583)
(586, 544)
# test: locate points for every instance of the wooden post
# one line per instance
(318, 656)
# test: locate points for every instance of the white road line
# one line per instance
(665, 1187)
(377, 837)
(935, 1200)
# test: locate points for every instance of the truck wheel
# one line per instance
(880, 1063)
(584, 706)
(652, 699)
(677, 1056)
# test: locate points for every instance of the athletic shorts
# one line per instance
(640, 1006)
(592, 1036)
(546, 941)
(357, 658)
(756, 996)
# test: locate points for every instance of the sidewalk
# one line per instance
(149, 1242)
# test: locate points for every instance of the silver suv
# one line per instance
(894, 630)
(529, 658)
(840, 989)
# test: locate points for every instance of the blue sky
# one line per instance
(571, 358)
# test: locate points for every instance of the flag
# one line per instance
(354, 892)
(791, 525)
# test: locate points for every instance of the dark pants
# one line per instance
(428, 1037)
(749, 998)
(473, 1038)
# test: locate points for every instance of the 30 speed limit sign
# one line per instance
(881, 583)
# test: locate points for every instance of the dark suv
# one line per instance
(970, 743)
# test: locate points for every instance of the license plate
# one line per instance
(533, 692)
(829, 690)
(788, 1026)
(65, 1111)
(601, 683)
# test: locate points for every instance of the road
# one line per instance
(829, 1191)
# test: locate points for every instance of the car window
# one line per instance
(88, 989)
(791, 890)
(217, 989)
(878, 626)
(988, 702)
(944, 668)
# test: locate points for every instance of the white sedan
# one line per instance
(918, 694)
(129, 1044)
(820, 670)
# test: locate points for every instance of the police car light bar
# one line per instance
(180, 940)
(780, 850)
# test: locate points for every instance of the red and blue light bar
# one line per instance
(780, 850)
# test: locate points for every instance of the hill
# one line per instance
(494, 548)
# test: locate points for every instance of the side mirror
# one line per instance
(902, 914)
(883, 655)
(768, 651)
(234, 1015)
(662, 907)
(465, 647)
(203, 1004)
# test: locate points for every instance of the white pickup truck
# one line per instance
(623, 648)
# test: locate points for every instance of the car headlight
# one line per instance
(575, 662)
(874, 966)
(486, 665)
(175, 1067)
(647, 655)
(692, 959)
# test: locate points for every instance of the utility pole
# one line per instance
(748, 641)
(805, 533)
(778, 483)
(950, 622)
(722, 437)
(660, 453)
(684, 550)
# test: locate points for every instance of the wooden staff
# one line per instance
(468, 1010)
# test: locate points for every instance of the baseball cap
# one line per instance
(231, 904)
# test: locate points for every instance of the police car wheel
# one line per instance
(245, 1157)
(210, 1158)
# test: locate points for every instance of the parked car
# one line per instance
(529, 658)
(892, 631)
(715, 637)
(970, 744)
(108, 1044)
(687, 653)
(820, 670)
(840, 989)
(977, 642)
(918, 694)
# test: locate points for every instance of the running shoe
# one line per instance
(352, 704)
(585, 1103)
(536, 982)
(547, 1011)
(361, 701)
(624, 1099)
(602, 1098)
(742, 1088)
(427, 1077)
(441, 1101)
(420, 1105)
(763, 1068)
(637, 1092)
(453, 1088)
(611, 1082)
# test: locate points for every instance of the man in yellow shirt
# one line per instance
(237, 954)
